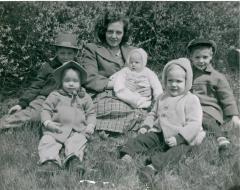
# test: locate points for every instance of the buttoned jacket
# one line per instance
(214, 92)
(180, 115)
(72, 115)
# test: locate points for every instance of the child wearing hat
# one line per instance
(213, 90)
(29, 105)
(136, 75)
(68, 116)
(175, 123)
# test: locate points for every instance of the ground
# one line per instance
(203, 169)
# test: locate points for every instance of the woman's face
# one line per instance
(114, 34)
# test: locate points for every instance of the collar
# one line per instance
(103, 51)
(55, 63)
(80, 93)
(208, 69)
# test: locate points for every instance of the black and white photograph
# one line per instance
(119, 95)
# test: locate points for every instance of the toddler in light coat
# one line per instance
(174, 124)
(68, 116)
(135, 76)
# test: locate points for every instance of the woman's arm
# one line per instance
(95, 81)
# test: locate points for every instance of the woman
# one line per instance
(103, 59)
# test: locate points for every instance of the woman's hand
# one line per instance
(14, 109)
(54, 127)
(110, 85)
(145, 91)
(171, 141)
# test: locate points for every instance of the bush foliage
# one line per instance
(162, 28)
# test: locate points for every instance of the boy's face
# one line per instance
(71, 81)
(135, 62)
(176, 81)
(201, 57)
(65, 54)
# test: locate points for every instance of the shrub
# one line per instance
(162, 28)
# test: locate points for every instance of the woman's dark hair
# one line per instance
(108, 18)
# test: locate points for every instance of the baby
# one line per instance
(68, 117)
(129, 80)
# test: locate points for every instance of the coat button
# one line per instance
(163, 115)
(165, 107)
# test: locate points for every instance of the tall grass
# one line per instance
(202, 169)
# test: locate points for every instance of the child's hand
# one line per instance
(142, 130)
(14, 109)
(89, 129)
(54, 127)
(171, 141)
(235, 121)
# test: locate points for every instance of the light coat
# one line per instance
(179, 115)
(76, 115)
(146, 78)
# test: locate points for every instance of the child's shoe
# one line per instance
(50, 166)
(74, 164)
(147, 175)
(222, 142)
(223, 147)
(127, 158)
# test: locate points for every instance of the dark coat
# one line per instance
(214, 92)
(101, 64)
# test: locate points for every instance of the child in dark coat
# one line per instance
(213, 90)
(30, 104)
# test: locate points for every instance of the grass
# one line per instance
(203, 169)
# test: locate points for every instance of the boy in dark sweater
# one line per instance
(30, 104)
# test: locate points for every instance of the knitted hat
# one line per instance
(202, 42)
(70, 64)
(67, 40)
(185, 64)
(142, 52)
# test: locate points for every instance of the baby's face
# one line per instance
(176, 81)
(201, 57)
(135, 62)
(71, 81)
